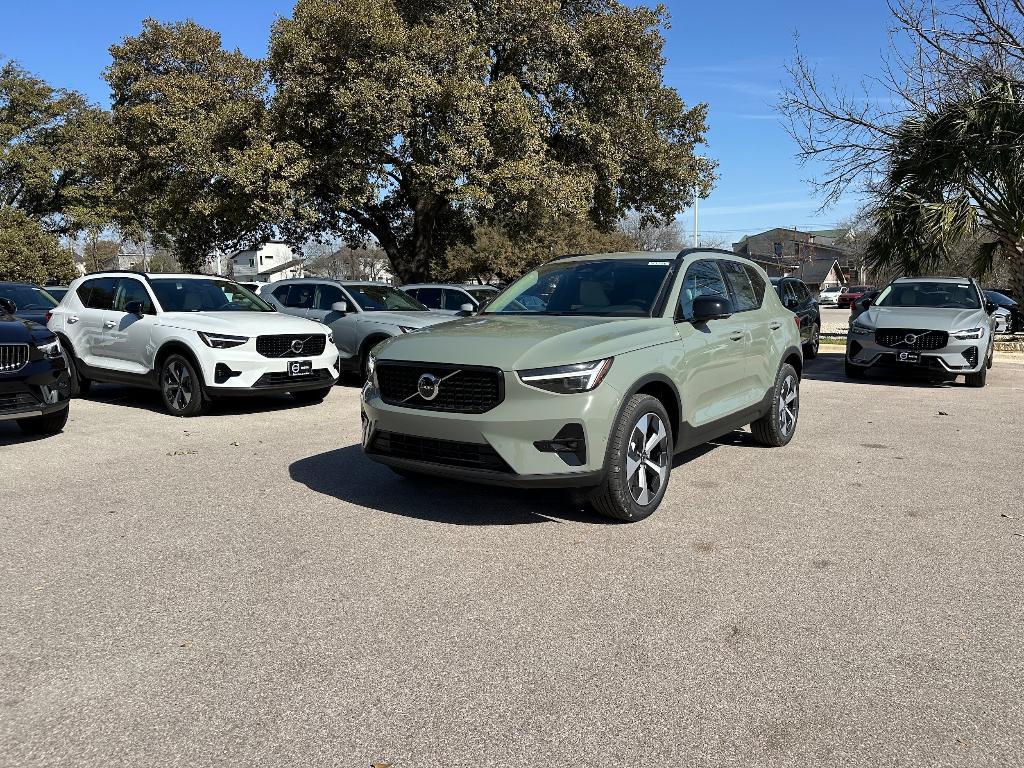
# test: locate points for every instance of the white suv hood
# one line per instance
(929, 318)
(240, 323)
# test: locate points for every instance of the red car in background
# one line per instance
(851, 294)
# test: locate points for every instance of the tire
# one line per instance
(49, 424)
(811, 350)
(989, 360)
(977, 379)
(80, 386)
(854, 371)
(181, 388)
(777, 427)
(632, 467)
(311, 395)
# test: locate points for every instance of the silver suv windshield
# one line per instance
(599, 288)
(930, 294)
(192, 294)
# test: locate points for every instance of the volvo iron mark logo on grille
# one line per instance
(428, 386)
(297, 346)
(910, 338)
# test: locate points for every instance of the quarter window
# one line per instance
(744, 295)
(702, 278)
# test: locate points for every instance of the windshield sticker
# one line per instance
(657, 263)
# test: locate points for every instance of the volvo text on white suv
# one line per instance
(192, 337)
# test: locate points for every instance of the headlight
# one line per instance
(970, 333)
(50, 349)
(568, 379)
(220, 341)
(860, 329)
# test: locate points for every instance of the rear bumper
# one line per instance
(41, 387)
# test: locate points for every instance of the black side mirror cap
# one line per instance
(711, 308)
(135, 308)
(8, 306)
(990, 307)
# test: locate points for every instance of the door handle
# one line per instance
(109, 323)
(73, 319)
(775, 326)
(736, 335)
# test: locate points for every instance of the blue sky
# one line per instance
(729, 54)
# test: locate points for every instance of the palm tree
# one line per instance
(952, 172)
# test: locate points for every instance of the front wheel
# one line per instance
(80, 385)
(181, 388)
(48, 424)
(977, 379)
(639, 462)
(777, 427)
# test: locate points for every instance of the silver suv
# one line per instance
(360, 314)
(939, 324)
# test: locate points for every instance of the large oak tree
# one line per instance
(418, 122)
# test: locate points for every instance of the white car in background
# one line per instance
(830, 294)
(192, 337)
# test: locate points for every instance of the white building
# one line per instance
(271, 261)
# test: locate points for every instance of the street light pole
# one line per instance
(696, 237)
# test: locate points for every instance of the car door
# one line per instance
(342, 324)
(89, 326)
(712, 365)
(129, 339)
(748, 288)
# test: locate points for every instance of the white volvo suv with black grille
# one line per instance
(192, 337)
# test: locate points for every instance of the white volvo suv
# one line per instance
(192, 337)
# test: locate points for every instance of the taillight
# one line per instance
(796, 319)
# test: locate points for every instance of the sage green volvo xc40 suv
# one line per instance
(590, 372)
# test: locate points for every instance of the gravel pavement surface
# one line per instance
(245, 589)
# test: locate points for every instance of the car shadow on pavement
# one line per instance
(829, 366)
(347, 475)
(11, 434)
(149, 400)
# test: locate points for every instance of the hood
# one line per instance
(517, 342)
(240, 323)
(925, 318)
(17, 330)
(415, 319)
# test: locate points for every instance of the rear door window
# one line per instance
(98, 293)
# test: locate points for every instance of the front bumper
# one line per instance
(956, 358)
(243, 371)
(41, 387)
(518, 443)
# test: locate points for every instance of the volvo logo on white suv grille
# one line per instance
(297, 346)
(428, 386)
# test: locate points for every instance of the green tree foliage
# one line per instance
(193, 161)
(30, 254)
(52, 151)
(500, 254)
(418, 122)
(952, 172)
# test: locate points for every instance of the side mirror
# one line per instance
(340, 307)
(711, 308)
(990, 306)
(467, 307)
(8, 306)
(135, 308)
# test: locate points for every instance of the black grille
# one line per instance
(460, 389)
(13, 357)
(281, 346)
(448, 452)
(281, 379)
(897, 338)
(17, 402)
(971, 356)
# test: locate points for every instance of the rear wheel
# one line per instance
(49, 424)
(639, 462)
(777, 427)
(811, 348)
(181, 388)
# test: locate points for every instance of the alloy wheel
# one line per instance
(789, 405)
(178, 385)
(647, 459)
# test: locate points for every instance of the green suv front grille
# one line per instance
(440, 387)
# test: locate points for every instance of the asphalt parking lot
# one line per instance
(245, 589)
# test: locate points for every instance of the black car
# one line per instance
(34, 384)
(1016, 317)
(797, 298)
(33, 302)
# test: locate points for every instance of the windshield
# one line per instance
(194, 294)
(481, 294)
(607, 288)
(927, 294)
(382, 298)
(998, 298)
(27, 296)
